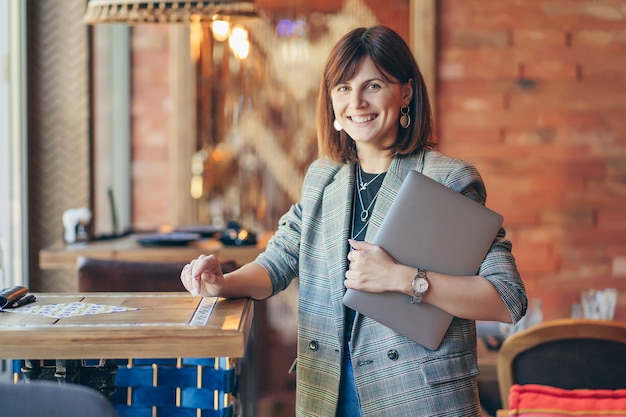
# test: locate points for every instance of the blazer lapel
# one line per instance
(335, 223)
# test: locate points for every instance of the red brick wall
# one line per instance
(533, 93)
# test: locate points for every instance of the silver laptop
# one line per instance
(433, 227)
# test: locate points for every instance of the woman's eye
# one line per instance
(342, 89)
(374, 87)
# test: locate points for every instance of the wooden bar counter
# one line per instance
(62, 256)
(158, 337)
(158, 325)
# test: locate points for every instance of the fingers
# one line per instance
(202, 269)
(359, 244)
(190, 284)
(195, 280)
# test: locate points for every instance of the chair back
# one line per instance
(565, 353)
(51, 399)
(107, 275)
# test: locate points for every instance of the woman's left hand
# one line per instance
(372, 269)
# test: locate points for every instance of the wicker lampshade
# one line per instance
(136, 11)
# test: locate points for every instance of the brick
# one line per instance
(480, 38)
(599, 193)
(616, 165)
(602, 62)
(614, 119)
(568, 217)
(477, 63)
(531, 137)
(587, 235)
(586, 135)
(613, 217)
(473, 103)
(550, 69)
(572, 255)
(565, 117)
(581, 13)
(521, 118)
(599, 38)
(514, 216)
(462, 88)
(488, 13)
(534, 258)
(530, 199)
(482, 137)
(540, 38)
(615, 249)
(591, 60)
(571, 95)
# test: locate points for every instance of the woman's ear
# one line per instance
(407, 92)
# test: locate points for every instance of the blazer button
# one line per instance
(313, 345)
(393, 354)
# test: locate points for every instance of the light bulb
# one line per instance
(220, 30)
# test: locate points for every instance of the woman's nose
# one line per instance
(357, 100)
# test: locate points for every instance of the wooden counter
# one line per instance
(61, 256)
(166, 325)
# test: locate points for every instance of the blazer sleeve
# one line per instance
(280, 258)
(499, 266)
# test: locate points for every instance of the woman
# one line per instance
(374, 126)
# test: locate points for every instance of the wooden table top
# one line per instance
(62, 256)
(162, 325)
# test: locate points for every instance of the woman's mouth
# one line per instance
(362, 119)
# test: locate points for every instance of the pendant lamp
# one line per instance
(181, 11)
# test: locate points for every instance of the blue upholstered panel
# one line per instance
(176, 393)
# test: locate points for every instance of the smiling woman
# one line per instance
(348, 359)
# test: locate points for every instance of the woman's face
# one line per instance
(368, 107)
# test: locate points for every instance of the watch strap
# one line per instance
(417, 295)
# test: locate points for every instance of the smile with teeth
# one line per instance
(362, 119)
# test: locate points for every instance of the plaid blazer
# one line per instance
(394, 375)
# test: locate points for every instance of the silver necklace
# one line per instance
(365, 212)
(354, 223)
(363, 185)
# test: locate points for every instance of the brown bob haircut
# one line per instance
(393, 58)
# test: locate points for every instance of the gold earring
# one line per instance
(337, 125)
(405, 118)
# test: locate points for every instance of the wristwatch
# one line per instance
(419, 285)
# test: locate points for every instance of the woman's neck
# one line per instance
(375, 163)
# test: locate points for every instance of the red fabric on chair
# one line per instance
(534, 400)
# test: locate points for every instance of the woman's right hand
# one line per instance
(203, 276)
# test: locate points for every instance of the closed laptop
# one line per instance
(435, 228)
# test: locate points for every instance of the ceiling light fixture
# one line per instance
(181, 11)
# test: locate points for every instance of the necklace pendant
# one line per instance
(362, 186)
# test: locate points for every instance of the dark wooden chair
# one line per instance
(565, 353)
(106, 275)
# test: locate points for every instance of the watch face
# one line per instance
(421, 285)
